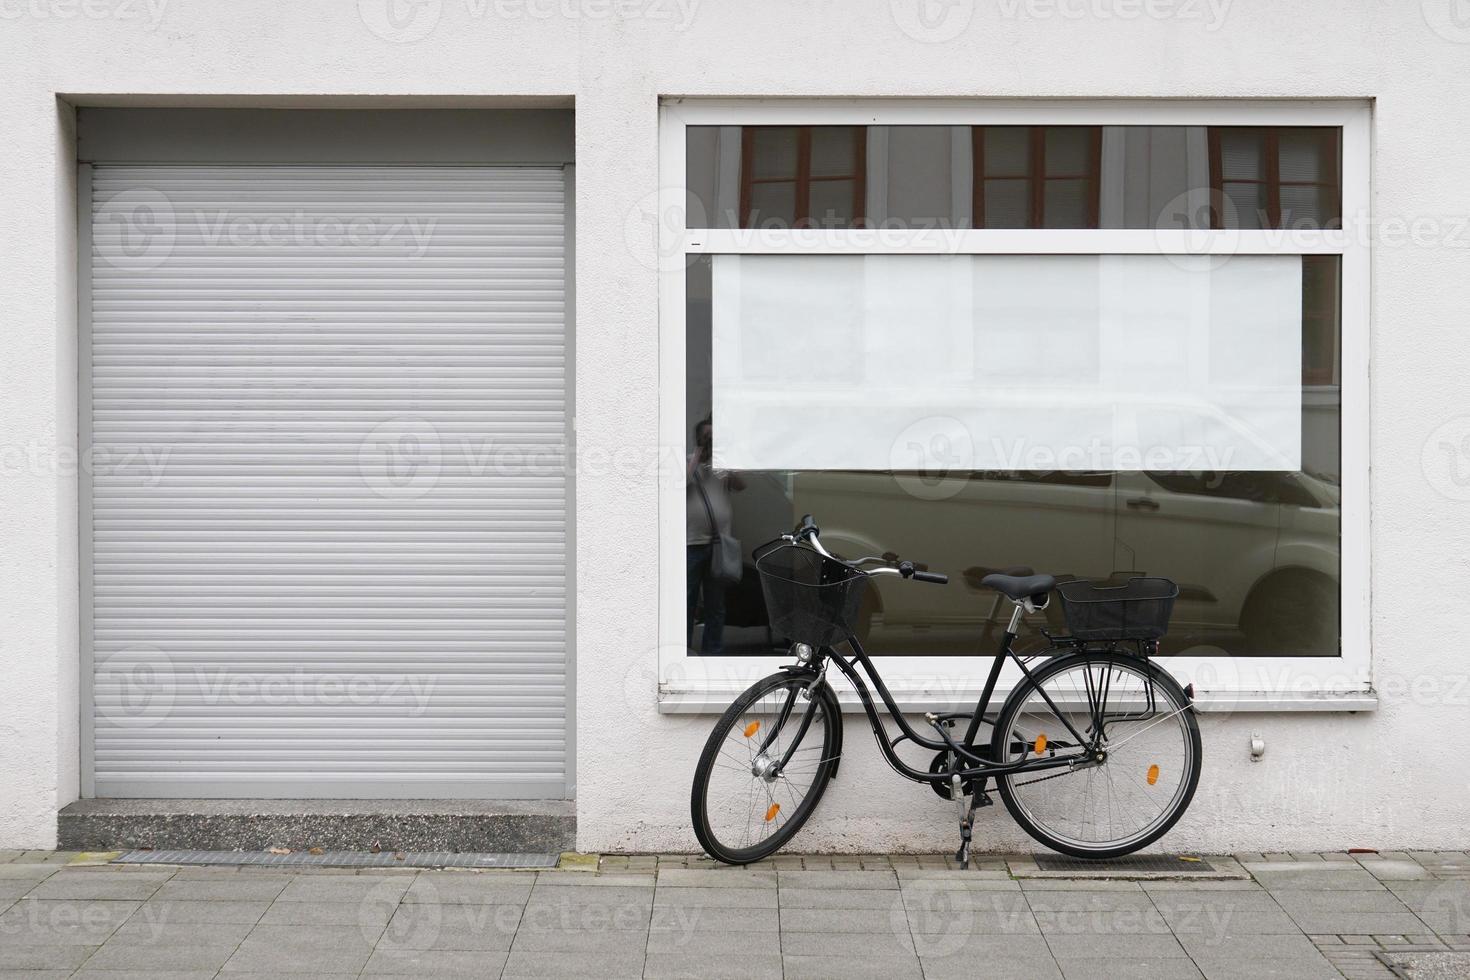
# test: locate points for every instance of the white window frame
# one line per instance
(697, 684)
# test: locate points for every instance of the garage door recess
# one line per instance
(325, 521)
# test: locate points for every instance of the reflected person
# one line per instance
(707, 515)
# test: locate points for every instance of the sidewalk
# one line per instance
(1296, 916)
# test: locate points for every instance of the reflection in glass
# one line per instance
(1256, 554)
(1015, 176)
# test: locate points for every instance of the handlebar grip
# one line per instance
(806, 528)
(907, 570)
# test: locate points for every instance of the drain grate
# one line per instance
(1171, 863)
(344, 859)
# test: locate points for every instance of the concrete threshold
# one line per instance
(506, 826)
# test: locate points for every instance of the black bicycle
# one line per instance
(1096, 752)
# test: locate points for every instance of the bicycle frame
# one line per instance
(980, 765)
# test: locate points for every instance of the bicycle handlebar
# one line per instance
(807, 530)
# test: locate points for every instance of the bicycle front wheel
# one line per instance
(745, 803)
(1133, 771)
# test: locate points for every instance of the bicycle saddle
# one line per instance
(1019, 587)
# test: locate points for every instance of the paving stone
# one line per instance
(85, 886)
(435, 963)
(346, 889)
(1319, 875)
(1356, 923)
(33, 922)
(1218, 922)
(673, 918)
(87, 974)
(804, 967)
(697, 897)
(366, 915)
(1291, 957)
(606, 897)
(1005, 966)
(885, 946)
(1112, 969)
(1072, 901)
(158, 959)
(1102, 922)
(887, 920)
(838, 879)
(27, 872)
(579, 941)
(468, 890)
(141, 932)
(17, 957)
(1114, 946)
(747, 966)
(1079, 885)
(173, 912)
(552, 879)
(606, 965)
(455, 927)
(609, 917)
(826, 898)
(285, 949)
(677, 877)
(234, 888)
(725, 944)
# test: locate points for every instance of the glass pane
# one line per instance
(1089, 362)
(832, 203)
(774, 151)
(834, 151)
(1307, 155)
(1308, 207)
(1007, 204)
(1067, 204)
(1151, 177)
(1242, 154)
(1244, 206)
(772, 205)
(1256, 553)
(1007, 151)
(1068, 151)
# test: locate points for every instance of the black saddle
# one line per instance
(1020, 587)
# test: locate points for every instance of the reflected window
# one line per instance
(1036, 176)
(1275, 177)
(794, 176)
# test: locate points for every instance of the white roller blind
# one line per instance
(328, 510)
(1038, 362)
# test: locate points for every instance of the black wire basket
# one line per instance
(810, 599)
(1139, 609)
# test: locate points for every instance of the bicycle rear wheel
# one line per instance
(743, 808)
(1136, 770)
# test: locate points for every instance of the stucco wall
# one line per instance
(1375, 779)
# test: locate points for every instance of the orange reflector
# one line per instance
(1040, 744)
(1153, 774)
(752, 728)
(771, 813)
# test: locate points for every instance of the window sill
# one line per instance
(712, 701)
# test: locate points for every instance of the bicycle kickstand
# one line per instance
(967, 822)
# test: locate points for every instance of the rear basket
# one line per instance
(1139, 609)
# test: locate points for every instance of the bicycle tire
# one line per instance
(830, 720)
(1006, 783)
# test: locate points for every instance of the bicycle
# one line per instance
(1096, 752)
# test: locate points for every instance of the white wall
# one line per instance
(1377, 779)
